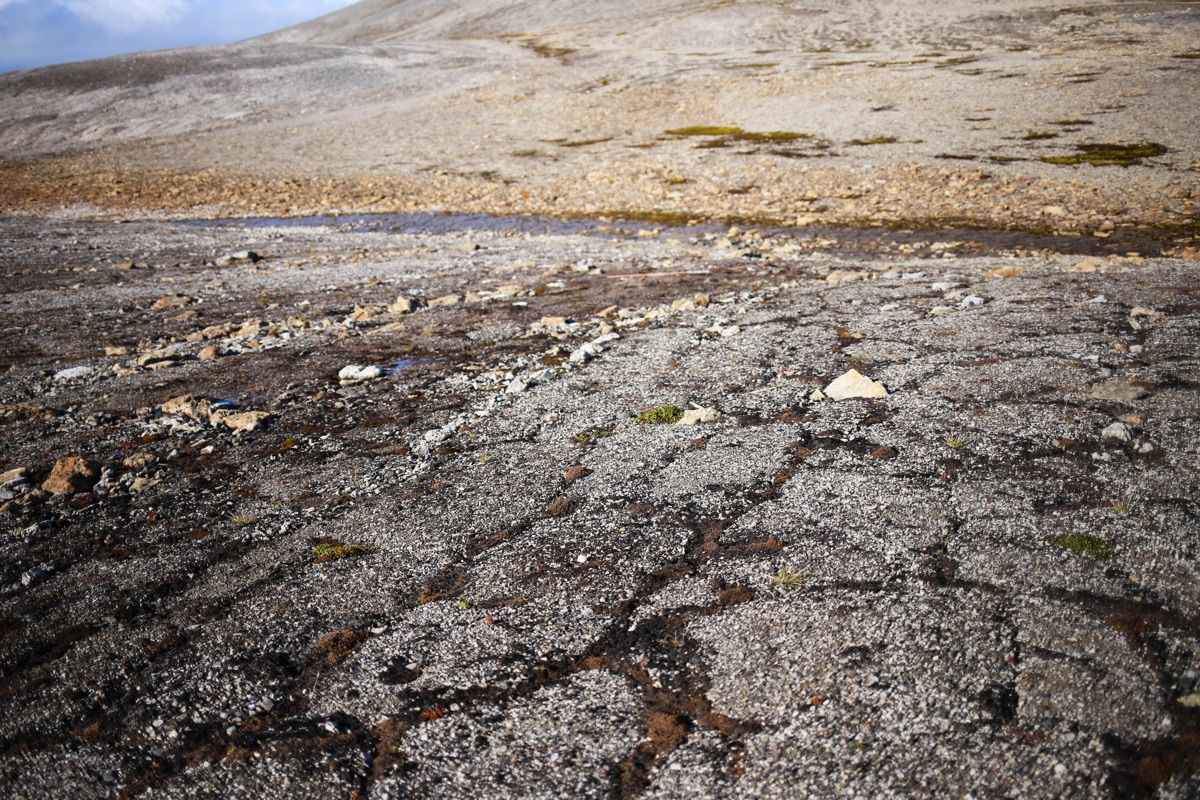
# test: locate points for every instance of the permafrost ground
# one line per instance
(480, 575)
(305, 512)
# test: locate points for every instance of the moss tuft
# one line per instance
(1106, 155)
(1085, 544)
(875, 140)
(663, 415)
(705, 130)
(587, 437)
(333, 550)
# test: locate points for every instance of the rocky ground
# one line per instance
(832, 435)
(300, 512)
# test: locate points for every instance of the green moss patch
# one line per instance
(1106, 155)
(875, 140)
(1034, 136)
(663, 415)
(706, 130)
(595, 434)
(1085, 544)
(327, 549)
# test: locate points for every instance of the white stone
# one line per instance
(1118, 431)
(356, 373)
(854, 384)
(696, 416)
(74, 373)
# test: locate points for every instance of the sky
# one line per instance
(38, 32)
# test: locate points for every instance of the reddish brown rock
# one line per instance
(70, 475)
(561, 506)
(572, 474)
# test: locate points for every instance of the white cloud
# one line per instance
(36, 32)
(121, 15)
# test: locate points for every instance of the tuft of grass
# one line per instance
(956, 442)
(333, 550)
(1085, 544)
(464, 603)
(1034, 136)
(1071, 123)
(789, 580)
(875, 140)
(1122, 507)
(242, 520)
(706, 130)
(1108, 155)
(663, 415)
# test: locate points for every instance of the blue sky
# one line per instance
(38, 32)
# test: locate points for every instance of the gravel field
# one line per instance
(737, 400)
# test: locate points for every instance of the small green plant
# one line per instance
(1085, 544)
(875, 140)
(242, 519)
(464, 603)
(956, 442)
(587, 437)
(789, 580)
(334, 550)
(663, 415)
(706, 130)
(1106, 155)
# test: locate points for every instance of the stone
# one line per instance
(73, 373)
(115, 350)
(11, 475)
(19, 412)
(561, 506)
(852, 385)
(572, 474)
(402, 305)
(1117, 432)
(156, 356)
(357, 373)
(211, 352)
(139, 460)
(242, 421)
(171, 301)
(187, 405)
(124, 265)
(696, 416)
(71, 474)
(884, 453)
(1117, 392)
(971, 301)
(846, 275)
(445, 301)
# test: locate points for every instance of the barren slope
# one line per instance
(876, 112)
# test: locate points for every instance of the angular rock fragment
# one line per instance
(242, 421)
(71, 474)
(853, 384)
(696, 416)
(357, 373)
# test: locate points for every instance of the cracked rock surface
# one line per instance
(496, 570)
